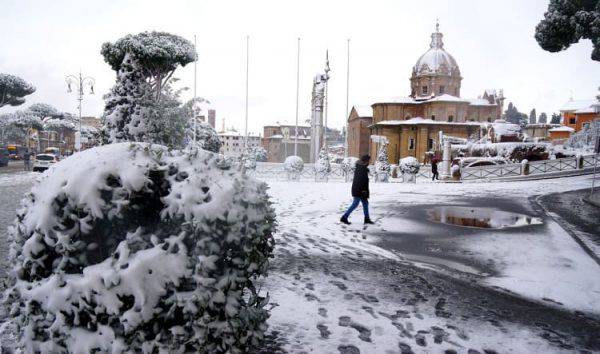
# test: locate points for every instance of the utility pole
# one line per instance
(80, 82)
(297, 97)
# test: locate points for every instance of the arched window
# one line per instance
(424, 90)
(433, 117)
(450, 118)
(489, 119)
(407, 116)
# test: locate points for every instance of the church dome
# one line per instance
(436, 60)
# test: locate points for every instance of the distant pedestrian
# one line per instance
(434, 169)
(360, 190)
(27, 160)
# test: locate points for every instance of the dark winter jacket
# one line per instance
(434, 167)
(360, 184)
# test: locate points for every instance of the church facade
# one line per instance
(412, 124)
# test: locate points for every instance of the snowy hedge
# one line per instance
(134, 248)
(510, 151)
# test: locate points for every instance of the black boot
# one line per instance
(368, 220)
(344, 220)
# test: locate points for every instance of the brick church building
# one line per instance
(412, 124)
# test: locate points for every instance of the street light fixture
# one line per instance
(79, 83)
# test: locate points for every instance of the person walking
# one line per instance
(434, 169)
(360, 190)
(27, 160)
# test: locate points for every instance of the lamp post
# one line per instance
(80, 82)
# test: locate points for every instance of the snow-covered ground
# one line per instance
(331, 285)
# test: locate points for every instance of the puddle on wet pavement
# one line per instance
(483, 218)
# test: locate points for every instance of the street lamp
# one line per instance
(79, 83)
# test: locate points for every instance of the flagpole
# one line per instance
(247, 66)
(297, 96)
(195, 85)
(347, 98)
(325, 101)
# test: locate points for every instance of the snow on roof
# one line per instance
(574, 105)
(480, 102)
(562, 128)
(590, 109)
(443, 98)
(364, 111)
(503, 128)
(419, 120)
(398, 99)
(447, 98)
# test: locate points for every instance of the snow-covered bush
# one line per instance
(510, 151)
(206, 136)
(260, 154)
(322, 166)
(132, 247)
(382, 165)
(409, 167)
(348, 166)
(293, 166)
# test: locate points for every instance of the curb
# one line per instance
(566, 226)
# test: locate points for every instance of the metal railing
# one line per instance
(545, 166)
(276, 171)
(491, 171)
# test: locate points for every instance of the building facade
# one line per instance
(232, 142)
(361, 117)
(412, 124)
(577, 113)
(279, 141)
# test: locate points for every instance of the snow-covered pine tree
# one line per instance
(532, 117)
(567, 22)
(142, 106)
(555, 118)
(13, 89)
(206, 136)
(126, 111)
(382, 165)
(131, 246)
(543, 118)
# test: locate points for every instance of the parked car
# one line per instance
(53, 151)
(4, 157)
(43, 161)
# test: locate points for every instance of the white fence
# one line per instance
(275, 171)
(530, 168)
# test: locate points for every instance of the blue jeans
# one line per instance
(365, 204)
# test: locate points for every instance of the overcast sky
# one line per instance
(492, 42)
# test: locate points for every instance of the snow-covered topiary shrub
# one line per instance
(131, 247)
(293, 166)
(348, 166)
(409, 167)
(260, 154)
(322, 166)
(382, 165)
